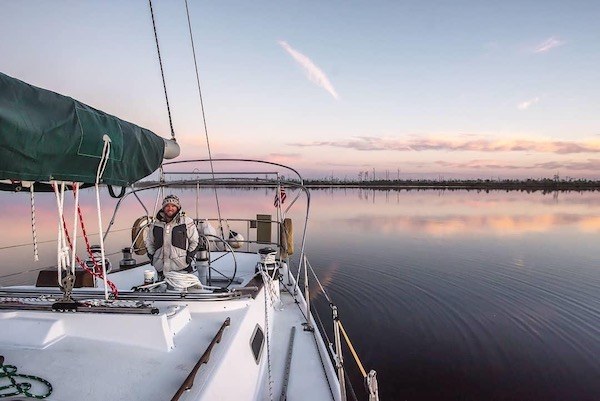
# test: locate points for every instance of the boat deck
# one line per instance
(101, 356)
(307, 371)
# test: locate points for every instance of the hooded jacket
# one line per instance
(170, 244)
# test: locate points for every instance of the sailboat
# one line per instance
(101, 329)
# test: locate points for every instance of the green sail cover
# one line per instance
(46, 136)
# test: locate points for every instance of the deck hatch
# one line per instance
(256, 343)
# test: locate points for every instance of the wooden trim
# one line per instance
(188, 383)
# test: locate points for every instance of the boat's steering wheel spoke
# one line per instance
(227, 250)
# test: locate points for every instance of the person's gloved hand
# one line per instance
(151, 257)
(189, 256)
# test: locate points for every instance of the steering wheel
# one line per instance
(228, 250)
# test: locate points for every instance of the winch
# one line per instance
(128, 261)
(97, 257)
(268, 261)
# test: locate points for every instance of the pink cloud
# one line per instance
(548, 45)
(476, 145)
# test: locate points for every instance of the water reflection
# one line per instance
(465, 295)
(447, 214)
(469, 225)
(449, 295)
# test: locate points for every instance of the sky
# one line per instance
(417, 89)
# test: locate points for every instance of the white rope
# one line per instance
(273, 297)
(268, 258)
(36, 256)
(75, 223)
(182, 281)
(62, 250)
(99, 173)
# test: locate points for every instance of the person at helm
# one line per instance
(172, 238)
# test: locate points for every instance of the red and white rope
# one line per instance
(96, 271)
(75, 218)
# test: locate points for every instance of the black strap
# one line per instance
(111, 191)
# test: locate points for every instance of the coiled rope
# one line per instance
(182, 281)
(20, 387)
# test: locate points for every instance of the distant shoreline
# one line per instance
(544, 185)
(471, 185)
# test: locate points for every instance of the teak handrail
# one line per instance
(188, 383)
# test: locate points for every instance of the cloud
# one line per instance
(476, 145)
(588, 165)
(548, 45)
(332, 164)
(313, 73)
(525, 105)
(286, 155)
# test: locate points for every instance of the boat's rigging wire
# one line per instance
(187, 11)
(162, 73)
(314, 312)
(27, 271)
(322, 364)
(331, 353)
(54, 240)
(141, 203)
(319, 283)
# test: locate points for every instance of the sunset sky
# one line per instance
(433, 88)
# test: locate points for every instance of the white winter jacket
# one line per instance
(170, 245)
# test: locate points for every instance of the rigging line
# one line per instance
(53, 240)
(320, 285)
(35, 269)
(322, 330)
(212, 170)
(162, 73)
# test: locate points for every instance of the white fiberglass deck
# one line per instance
(112, 356)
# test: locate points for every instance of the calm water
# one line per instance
(448, 295)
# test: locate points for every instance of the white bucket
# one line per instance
(148, 276)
